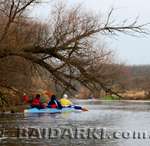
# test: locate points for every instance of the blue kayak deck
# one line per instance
(50, 110)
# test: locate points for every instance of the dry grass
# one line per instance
(135, 95)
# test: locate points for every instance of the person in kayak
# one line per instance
(65, 102)
(54, 103)
(25, 99)
(36, 102)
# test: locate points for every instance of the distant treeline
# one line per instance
(136, 77)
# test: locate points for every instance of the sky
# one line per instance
(130, 50)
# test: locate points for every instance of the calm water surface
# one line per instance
(116, 116)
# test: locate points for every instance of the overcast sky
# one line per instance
(131, 50)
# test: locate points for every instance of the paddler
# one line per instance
(65, 102)
(36, 102)
(54, 103)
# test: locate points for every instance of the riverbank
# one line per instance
(135, 95)
(126, 96)
(14, 109)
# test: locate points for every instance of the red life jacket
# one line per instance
(36, 101)
(53, 106)
(25, 98)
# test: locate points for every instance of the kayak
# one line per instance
(50, 110)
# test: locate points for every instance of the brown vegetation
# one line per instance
(63, 50)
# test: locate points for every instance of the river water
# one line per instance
(107, 123)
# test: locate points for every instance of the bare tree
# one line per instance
(65, 46)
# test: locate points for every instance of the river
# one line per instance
(107, 123)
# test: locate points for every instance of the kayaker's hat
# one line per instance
(65, 96)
